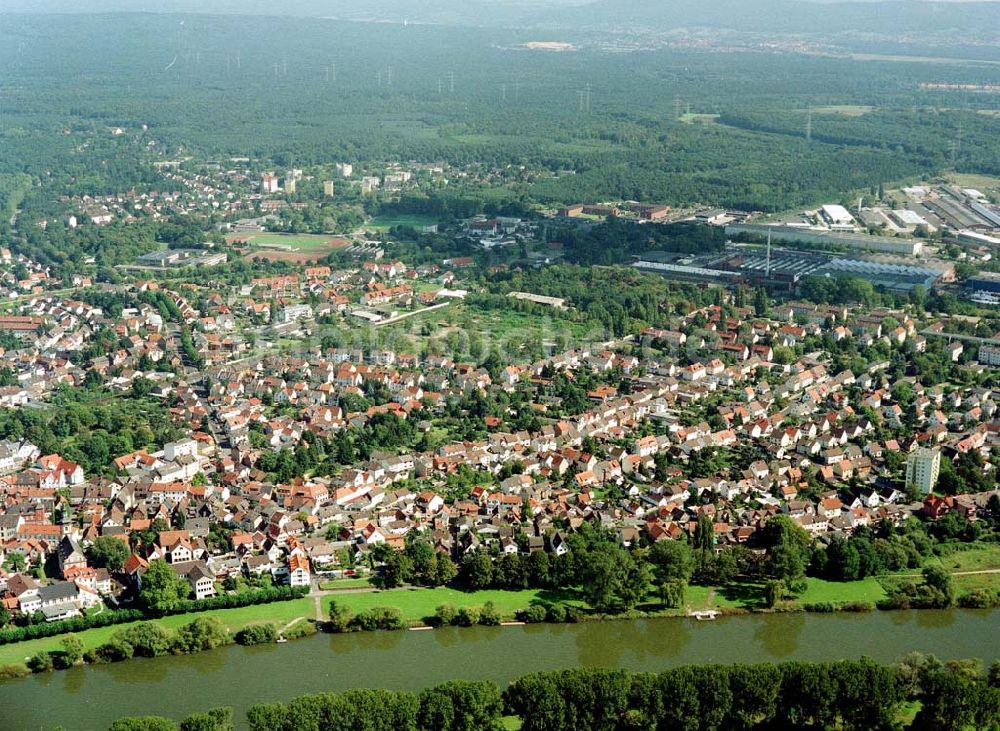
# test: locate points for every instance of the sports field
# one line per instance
(296, 248)
(414, 220)
(294, 242)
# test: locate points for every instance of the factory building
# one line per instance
(794, 234)
(991, 214)
(893, 277)
(837, 217)
(984, 282)
(977, 239)
(688, 273)
(910, 220)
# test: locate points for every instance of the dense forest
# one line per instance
(322, 91)
(614, 241)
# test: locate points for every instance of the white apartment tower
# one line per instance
(922, 469)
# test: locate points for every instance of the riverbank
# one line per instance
(279, 613)
(417, 607)
(175, 686)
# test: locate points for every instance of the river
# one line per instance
(90, 698)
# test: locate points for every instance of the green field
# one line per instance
(280, 613)
(692, 118)
(977, 582)
(963, 584)
(414, 220)
(294, 242)
(698, 597)
(416, 604)
(970, 180)
(750, 594)
(981, 557)
(820, 591)
(843, 110)
(984, 557)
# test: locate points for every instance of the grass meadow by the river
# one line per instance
(978, 557)
(418, 604)
(280, 613)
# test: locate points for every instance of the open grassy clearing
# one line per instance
(692, 118)
(821, 591)
(977, 582)
(415, 220)
(970, 180)
(416, 604)
(963, 584)
(981, 558)
(698, 597)
(280, 613)
(751, 594)
(843, 110)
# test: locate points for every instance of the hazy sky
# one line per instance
(508, 13)
(298, 7)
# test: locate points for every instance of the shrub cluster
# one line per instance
(257, 634)
(148, 639)
(218, 719)
(552, 613)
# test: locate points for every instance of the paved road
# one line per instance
(955, 336)
(400, 318)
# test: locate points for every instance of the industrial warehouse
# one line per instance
(780, 269)
(894, 248)
(837, 238)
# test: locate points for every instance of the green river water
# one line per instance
(90, 698)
